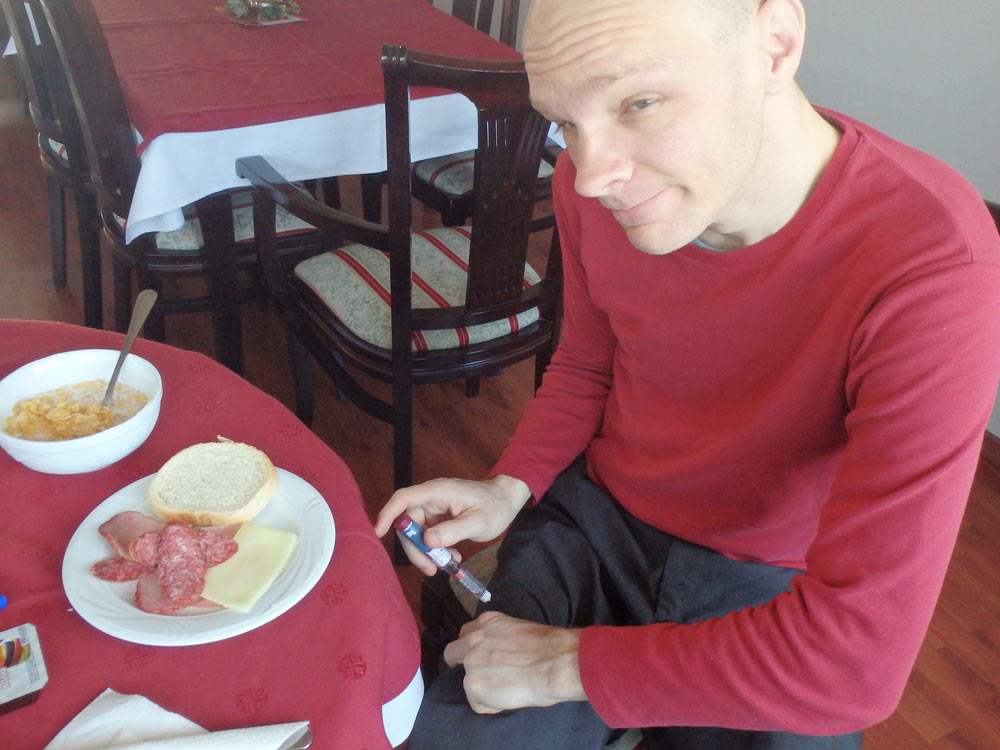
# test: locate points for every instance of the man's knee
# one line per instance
(445, 721)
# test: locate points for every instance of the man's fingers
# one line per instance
(422, 562)
(402, 501)
(455, 652)
(479, 708)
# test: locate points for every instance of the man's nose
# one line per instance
(599, 162)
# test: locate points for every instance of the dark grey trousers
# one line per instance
(576, 559)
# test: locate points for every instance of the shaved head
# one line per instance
(733, 14)
(668, 107)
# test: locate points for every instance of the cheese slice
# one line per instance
(242, 579)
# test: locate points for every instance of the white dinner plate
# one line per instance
(110, 607)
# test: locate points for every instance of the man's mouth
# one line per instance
(630, 214)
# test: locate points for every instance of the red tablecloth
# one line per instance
(185, 66)
(334, 659)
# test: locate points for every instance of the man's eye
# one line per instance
(638, 104)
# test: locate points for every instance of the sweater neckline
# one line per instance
(779, 242)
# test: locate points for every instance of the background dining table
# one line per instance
(345, 657)
(203, 91)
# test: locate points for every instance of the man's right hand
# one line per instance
(452, 510)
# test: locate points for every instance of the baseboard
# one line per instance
(991, 449)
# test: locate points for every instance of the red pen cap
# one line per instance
(403, 521)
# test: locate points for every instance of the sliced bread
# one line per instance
(213, 484)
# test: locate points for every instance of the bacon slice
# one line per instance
(121, 529)
(150, 597)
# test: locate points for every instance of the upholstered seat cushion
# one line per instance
(189, 238)
(453, 174)
(353, 281)
(55, 148)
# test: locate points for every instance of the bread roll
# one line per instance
(213, 484)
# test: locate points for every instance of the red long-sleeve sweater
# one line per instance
(815, 400)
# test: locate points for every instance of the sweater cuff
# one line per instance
(608, 664)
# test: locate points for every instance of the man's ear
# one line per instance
(782, 28)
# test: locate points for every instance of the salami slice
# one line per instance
(143, 549)
(117, 569)
(216, 547)
(180, 564)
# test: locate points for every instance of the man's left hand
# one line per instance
(511, 663)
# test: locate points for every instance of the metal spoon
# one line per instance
(143, 304)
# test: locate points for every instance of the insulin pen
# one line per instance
(442, 558)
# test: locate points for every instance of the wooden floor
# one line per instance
(951, 702)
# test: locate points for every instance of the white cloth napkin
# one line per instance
(132, 722)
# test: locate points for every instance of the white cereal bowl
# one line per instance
(93, 452)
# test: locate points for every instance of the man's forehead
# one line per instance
(601, 74)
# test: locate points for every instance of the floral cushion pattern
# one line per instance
(353, 281)
(189, 239)
(452, 174)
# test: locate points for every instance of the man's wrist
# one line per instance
(512, 490)
(567, 683)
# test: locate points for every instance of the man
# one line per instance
(780, 350)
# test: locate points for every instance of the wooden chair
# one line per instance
(216, 242)
(479, 14)
(445, 183)
(60, 147)
(439, 304)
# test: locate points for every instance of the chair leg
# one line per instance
(227, 323)
(371, 197)
(471, 387)
(89, 233)
(215, 212)
(331, 191)
(302, 376)
(156, 324)
(123, 295)
(453, 217)
(402, 446)
(57, 230)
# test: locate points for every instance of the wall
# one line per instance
(924, 71)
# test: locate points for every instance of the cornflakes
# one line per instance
(73, 411)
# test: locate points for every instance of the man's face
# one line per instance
(663, 118)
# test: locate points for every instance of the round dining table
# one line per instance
(345, 657)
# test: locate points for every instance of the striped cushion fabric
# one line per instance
(189, 239)
(353, 281)
(55, 147)
(452, 174)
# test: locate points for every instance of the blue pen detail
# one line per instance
(442, 558)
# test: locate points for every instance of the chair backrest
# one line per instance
(479, 13)
(99, 103)
(49, 98)
(511, 136)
